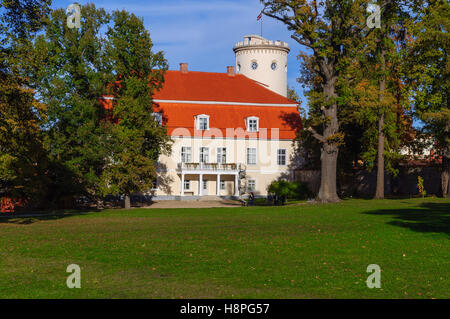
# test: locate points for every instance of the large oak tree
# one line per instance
(332, 32)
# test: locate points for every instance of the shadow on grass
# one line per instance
(429, 217)
(31, 218)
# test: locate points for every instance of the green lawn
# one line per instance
(302, 251)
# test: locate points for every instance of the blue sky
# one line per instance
(203, 33)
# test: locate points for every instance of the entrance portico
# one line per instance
(206, 172)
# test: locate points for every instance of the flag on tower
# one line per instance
(259, 17)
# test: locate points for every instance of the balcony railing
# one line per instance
(210, 167)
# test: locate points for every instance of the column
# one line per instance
(236, 185)
(200, 184)
(218, 185)
(182, 184)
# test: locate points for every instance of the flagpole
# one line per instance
(259, 17)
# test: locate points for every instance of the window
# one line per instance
(222, 185)
(252, 124)
(157, 117)
(155, 184)
(239, 67)
(221, 155)
(203, 122)
(251, 156)
(204, 155)
(187, 184)
(281, 160)
(254, 65)
(186, 154)
(251, 185)
(273, 66)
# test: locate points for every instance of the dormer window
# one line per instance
(252, 124)
(202, 122)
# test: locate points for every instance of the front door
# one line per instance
(205, 188)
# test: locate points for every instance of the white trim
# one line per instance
(225, 103)
(285, 156)
(247, 123)
(200, 154)
(229, 138)
(221, 148)
(261, 170)
(256, 156)
(190, 153)
(247, 182)
(197, 121)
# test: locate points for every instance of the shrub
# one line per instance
(289, 190)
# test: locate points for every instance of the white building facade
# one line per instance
(232, 132)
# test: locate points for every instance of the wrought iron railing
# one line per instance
(210, 166)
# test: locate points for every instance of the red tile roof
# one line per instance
(225, 120)
(179, 119)
(221, 87)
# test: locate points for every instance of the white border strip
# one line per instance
(178, 137)
(224, 103)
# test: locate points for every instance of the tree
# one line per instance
(332, 31)
(392, 21)
(428, 68)
(70, 74)
(137, 139)
(22, 154)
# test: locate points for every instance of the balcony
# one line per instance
(211, 167)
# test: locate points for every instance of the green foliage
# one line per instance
(70, 74)
(23, 162)
(109, 54)
(289, 190)
(420, 186)
(137, 139)
(427, 67)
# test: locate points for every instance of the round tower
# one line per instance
(264, 61)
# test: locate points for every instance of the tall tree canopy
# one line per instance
(428, 69)
(137, 139)
(96, 156)
(22, 155)
(332, 32)
(70, 76)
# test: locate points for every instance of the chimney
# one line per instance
(184, 67)
(230, 70)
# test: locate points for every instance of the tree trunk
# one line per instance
(445, 178)
(379, 194)
(127, 202)
(328, 190)
(445, 175)
(100, 204)
(330, 150)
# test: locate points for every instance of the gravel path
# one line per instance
(194, 204)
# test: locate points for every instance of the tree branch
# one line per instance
(319, 137)
(302, 42)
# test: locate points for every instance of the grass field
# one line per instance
(304, 251)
